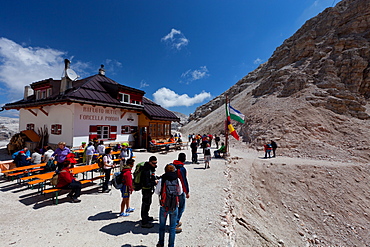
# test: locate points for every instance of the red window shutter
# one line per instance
(93, 132)
(113, 133)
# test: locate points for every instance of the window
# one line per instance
(43, 93)
(153, 130)
(56, 129)
(125, 129)
(167, 130)
(136, 102)
(103, 132)
(30, 126)
(124, 98)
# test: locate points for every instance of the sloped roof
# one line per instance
(96, 90)
(156, 112)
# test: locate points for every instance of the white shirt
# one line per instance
(47, 155)
(101, 149)
(108, 159)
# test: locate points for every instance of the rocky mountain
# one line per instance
(183, 120)
(8, 127)
(312, 95)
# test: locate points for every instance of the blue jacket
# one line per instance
(181, 173)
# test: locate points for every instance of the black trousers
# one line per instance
(145, 205)
(75, 186)
(106, 178)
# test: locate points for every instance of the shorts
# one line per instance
(207, 158)
(125, 191)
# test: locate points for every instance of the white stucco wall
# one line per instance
(87, 115)
(76, 120)
(57, 114)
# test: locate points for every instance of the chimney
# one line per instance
(66, 82)
(102, 70)
(28, 91)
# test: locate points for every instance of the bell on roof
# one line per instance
(102, 70)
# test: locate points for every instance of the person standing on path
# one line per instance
(194, 152)
(207, 156)
(148, 181)
(168, 189)
(127, 188)
(90, 150)
(108, 165)
(217, 140)
(182, 175)
(274, 147)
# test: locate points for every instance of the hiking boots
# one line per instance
(147, 225)
(75, 200)
(179, 224)
(178, 229)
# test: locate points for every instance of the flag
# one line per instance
(230, 127)
(236, 115)
(232, 131)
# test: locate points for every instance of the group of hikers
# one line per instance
(172, 187)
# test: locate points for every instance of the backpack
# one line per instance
(117, 180)
(100, 161)
(54, 179)
(50, 166)
(137, 176)
(169, 195)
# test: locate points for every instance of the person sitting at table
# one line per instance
(83, 145)
(68, 182)
(26, 152)
(21, 159)
(171, 139)
(36, 157)
(218, 152)
(61, 153)
(101, 148)
(49, 152)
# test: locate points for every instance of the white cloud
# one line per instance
(175, 39)
(168, 98)
(21, 65)
(143, 84)
(193, 75)
(258, 61)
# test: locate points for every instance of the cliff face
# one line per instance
(315, 88)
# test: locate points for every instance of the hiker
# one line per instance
(168, 189)
(68, 182)
(108, 165)
(220, 151)
(126, 153)
(61, 153)
(36, 157)
(217, 140)
(127, 188)
(194, 150)
(26, 152)
(49, 152)
(89, 153)
(101, 148)
(148, 180)
(274, 147)
(21, 159)
(182, 175)
(207, 156)
(267, 148)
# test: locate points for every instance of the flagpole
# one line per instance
(227, 131)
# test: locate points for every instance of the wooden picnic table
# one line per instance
(23, 168)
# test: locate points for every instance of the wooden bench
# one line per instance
(55, 191)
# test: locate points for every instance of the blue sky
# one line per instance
(181, 53)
